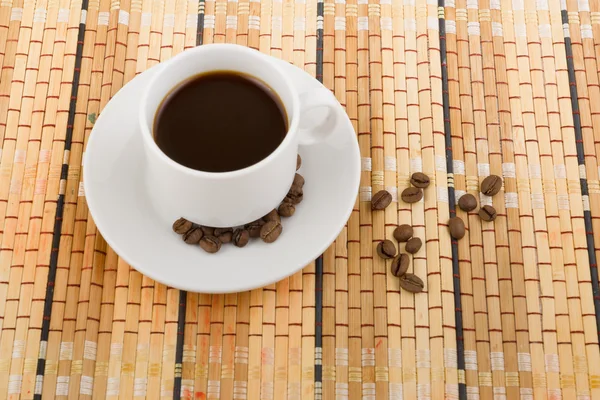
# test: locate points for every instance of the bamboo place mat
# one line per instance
(458, 89)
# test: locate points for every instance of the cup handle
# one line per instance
(311, 100)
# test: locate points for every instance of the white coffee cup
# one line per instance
(227, 199)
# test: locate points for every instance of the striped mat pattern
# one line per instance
(458, 89)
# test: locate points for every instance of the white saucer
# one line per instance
(118, 201)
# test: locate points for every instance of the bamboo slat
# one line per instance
(504, 288)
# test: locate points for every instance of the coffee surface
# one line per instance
(220, 121)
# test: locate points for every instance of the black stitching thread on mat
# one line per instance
(179, 346)
(460, 344)
(183, 294)
(319, 261)
(41, 364)
(587, 215)
(200, 24)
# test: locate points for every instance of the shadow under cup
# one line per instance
(219, 199)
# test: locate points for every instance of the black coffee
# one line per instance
(220, 121)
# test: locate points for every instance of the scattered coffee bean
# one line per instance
(210, 244)
(182, 225)
(296, 193)
(420, 180)
(400, 265)
(298, 162)
(412, 195)
(224, 234)
(193, 236)
(467, 202)
(413, 245)
(220, 231)
(240, 237)
(286, 209)
(272, 216)
(226, 237)
(381, 200)
(295, 190)
(487, 213)
(208, 230)
(270, 231)
(294, 196)
(403, 233)
(457, 227)
(298, 181)
(254, 227)
(491, 185)
(386, 249)
(411, 283)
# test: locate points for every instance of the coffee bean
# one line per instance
(487, 213)
(210, 244)
(226, 237)
(298, 162)
(491, 185)
(286, 209)
(208, 230)
(182, 225)
(381, 200)
(457, 227)
(298, 181)
(413, 245)
(220, 231)
(400, 265)
(420, 180)
(295, 190)
(270, 231)
(411, 283)
(254, 227)
(386, 249)
(240, 237)
(294, 196)
(467, 202)
(412, 195)
(403, 233)
(193, 236)
(224, 234)
(272, 216)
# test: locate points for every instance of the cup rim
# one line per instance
(165, 67)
